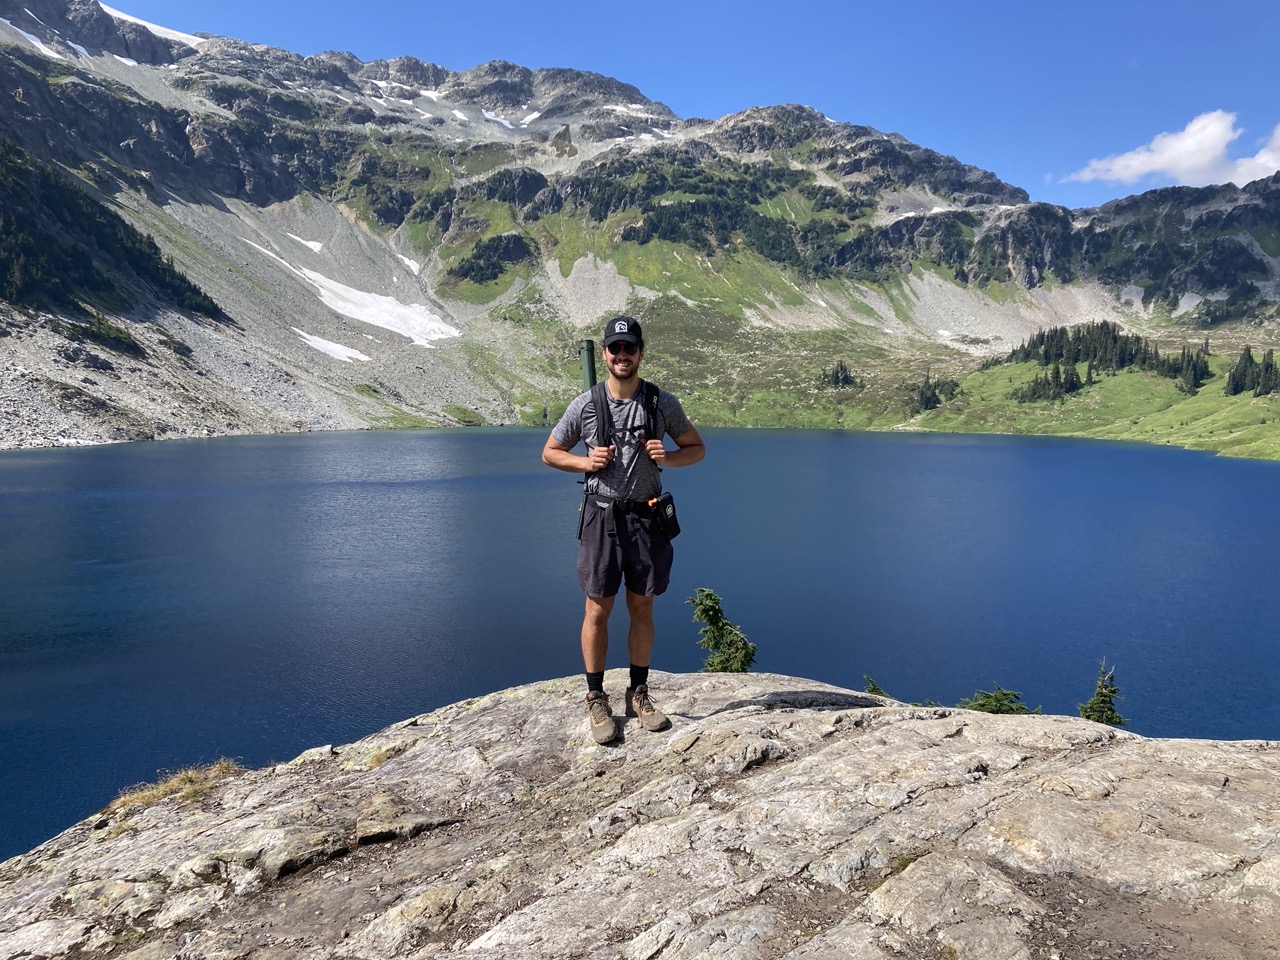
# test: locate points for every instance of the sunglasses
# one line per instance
(621, 346)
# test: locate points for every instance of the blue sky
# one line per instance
(1076, 103)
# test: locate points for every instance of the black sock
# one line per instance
(639, 676)
(595, 682)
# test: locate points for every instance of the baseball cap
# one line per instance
(623, 328)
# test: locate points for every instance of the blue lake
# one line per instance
(167, 604)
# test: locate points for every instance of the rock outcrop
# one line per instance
(777, 818)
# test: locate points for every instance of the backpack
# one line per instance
(604, 431)
(600, 401)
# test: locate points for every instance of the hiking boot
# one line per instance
(600, 717)
(639, 704)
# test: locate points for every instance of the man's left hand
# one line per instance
(657, 453)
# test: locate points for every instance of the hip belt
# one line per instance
(615, 505)
(640, 507)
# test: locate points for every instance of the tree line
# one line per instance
(59, 245)
(1247, 375)
(1104, 349)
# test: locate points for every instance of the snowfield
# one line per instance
(410, 320)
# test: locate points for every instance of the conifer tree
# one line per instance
(998, 700)
(1101, 707)
(731, 651)
(1243, 374)
(873, 688)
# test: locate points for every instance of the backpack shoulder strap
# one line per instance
(649, 397)
(601, 414)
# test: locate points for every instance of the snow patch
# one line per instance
(433, 94)
(125, 60)
(335, 350)
(1132, 294)
(530, 118)
(35, 41)
(413, 265)
(423, 112)
(35, 18)
(315, 245)
(490, 115)
(461, 116)
(79, 49)
(631, 110)
(188, 39)
(410, 320)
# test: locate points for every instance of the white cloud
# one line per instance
(1194, 156)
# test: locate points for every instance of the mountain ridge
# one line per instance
(502, 200)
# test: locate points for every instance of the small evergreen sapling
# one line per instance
(1101, 707)
(731, 651)
(998, 700)
(873, 688)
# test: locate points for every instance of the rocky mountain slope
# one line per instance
(778, 818)
(393, 243)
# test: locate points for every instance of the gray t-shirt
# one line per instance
(631, 475)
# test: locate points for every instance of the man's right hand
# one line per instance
(600, 457)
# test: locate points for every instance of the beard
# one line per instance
(630, 372)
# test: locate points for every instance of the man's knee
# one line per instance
(598, 609)
(639, 606)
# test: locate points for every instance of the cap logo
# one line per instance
(620, 327)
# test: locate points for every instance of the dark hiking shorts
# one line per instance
(640, 556)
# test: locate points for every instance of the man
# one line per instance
(621, 542)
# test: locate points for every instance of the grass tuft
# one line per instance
(189, 783)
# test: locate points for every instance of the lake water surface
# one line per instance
(167, 604)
